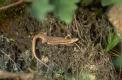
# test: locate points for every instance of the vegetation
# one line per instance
(84, 60)
(112, 41)
(62, 8)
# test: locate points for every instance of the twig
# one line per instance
(22, 76)
(14, 4)
(11, 60)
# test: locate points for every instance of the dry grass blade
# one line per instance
(20, 76)
(14, 4)
(5, 75)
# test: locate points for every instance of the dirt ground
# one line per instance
(85, 58)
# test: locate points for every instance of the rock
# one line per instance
(115, 17)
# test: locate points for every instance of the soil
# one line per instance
(86, 58)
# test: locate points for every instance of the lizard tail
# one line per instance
(34, 52)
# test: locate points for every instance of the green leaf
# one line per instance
(113, 40)
(118, 61)
(40, 8)
(86, 2)
(118, 2)
(109, 2)
(106, 2)
(65, 9)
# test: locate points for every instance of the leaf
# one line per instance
(65, 9)
(106, 2)
(118, 2)
(40, 8)
(86, 2)
(118, 61)
(113, 40)
(109, 2)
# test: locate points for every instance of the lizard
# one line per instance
(51, 41)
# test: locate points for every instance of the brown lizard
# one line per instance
(50, 40)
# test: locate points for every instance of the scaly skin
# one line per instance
(50, 40)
